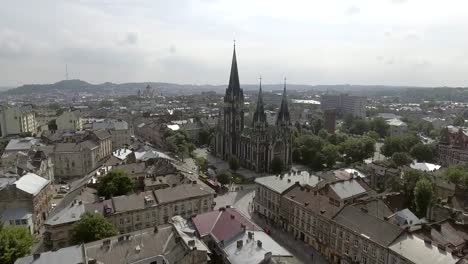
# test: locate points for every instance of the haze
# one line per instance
(412, 42)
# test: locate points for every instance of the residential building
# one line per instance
(17, 120)
(258, 145)
(19, 217)
(397, 127)
(452, 147)
(75, 159)
(104, 140)
(70, 120)
(31, 193)
(163, 244)
(121, 132)
(237, 240)
(329, 120)
(345, 104)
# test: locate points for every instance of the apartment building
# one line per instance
(16, 120)
(70, 120)
(344, 104)
(30, 194)
(121, 132)
(452, 147)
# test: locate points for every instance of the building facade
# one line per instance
(344, 104)
(16, 120)
(453, 146)
(70, 120)
(256, 146)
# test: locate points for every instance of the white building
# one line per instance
(120, 131)
(70, 120)
(15, 120)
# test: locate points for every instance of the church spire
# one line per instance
(259, 115)
(283, 114)
(234, 84)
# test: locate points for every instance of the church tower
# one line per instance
(259, 121)
(233, 111)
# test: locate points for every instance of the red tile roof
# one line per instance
(223, 224)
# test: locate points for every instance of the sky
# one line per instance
(387, 42)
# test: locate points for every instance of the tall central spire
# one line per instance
(283, 114)
(259, 115)
(234, 84)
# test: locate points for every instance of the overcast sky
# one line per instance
(392, 42)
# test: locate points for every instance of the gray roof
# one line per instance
(132, 202)
(21, 144)
(31, 183)
(148, 243)
(102, 134)
(131, 168)
(68, 255)
(181, 192)
(347, 189)
(111, 124)
(416, 250)
(69, 214)
(280, 184)
(15, 213)
(368, 226)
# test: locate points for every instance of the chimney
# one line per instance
(240, 243)
(191, 243)
(232, 217)
(259, 243)
(36, 256)
(268, 256)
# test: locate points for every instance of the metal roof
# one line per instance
(31, 183)
(69, 255)
(279, 184)
(68, 214)
(15, 213)
(347, 189)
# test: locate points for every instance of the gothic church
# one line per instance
(255, 146)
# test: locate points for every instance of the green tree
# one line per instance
(380, 126)
(15, 242)
(401, 158)
(316, 125)
(374, 135)
(204, 136)
(202, 164)
(423, 194)
(459, 121)
(224, 177)
(456, 174)
(331, 154)
(308, 151)
(277, 166)
(115, 183)
(234, 164)
(357, 149)
(423, 152)
(92, 227)
(402, 143)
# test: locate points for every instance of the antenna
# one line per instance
(66, 72)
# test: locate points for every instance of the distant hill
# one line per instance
(405, 92)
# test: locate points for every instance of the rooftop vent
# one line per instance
(240, 243)
(250, 235)
(191, 243)
(259, 243)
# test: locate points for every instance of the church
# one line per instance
(257, 144)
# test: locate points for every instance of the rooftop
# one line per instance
(279, 184)
(416, 250)
(372, 227)
(181, 192)
(69, 214)
(31, 183)
(347, 189)
(15, 213)
(69, 255)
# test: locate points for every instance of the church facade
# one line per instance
(257, 144)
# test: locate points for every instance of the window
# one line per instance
(18, 221)
(347, 238)
(356, 243)
(346, 250)
(373, 251)
(176, 208)
(24, 221)
(138, 218)
(364, 260)
(382, 258)
(147, 215)
(365, 247)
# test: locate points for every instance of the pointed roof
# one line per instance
(234, 84)
(259, 115)
(283, 114)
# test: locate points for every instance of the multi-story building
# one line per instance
(156, 245)
(329, 120)
(70, 120)
(75, 159)
(121, 132)
(453, 146)
(345, 104)
(16, 120)
(30, 194)
(104, 140)
(397, 127)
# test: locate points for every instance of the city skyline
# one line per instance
(389, 42)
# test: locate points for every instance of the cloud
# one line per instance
(132, 38)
